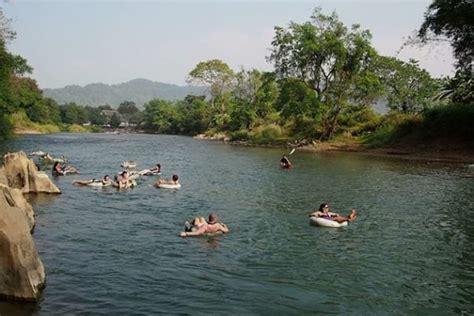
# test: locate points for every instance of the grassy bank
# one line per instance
(444, 123)
(23, 125)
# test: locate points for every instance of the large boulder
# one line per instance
(21, 271)
(21, 173)
(3, 177)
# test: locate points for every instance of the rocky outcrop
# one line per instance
(21, 270)
(21, 173)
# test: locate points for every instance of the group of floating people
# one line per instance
(198, 226)
(127, 179)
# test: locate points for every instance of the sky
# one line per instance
(82, 42)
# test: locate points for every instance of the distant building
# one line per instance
(109, 113)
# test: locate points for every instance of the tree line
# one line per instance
(327, 77)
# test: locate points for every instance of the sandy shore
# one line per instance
(27, 132)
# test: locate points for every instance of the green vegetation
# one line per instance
(326, 79)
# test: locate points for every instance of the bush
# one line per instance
(268, 134)
(242, 134)
(6, 127)
(393, 127)
(451, 121)
(21, 122)
(75, 128)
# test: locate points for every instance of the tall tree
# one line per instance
(160, 116)
(408, 88)
(454, 19)
(331, 60)
(127, 108)
(217, 75)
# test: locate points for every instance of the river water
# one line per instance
(411, 250)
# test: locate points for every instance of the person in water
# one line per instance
(153, 171)
(324, 212)
(156, 169)
(123, 181)
(106, 181)
(200, 227)
(59, 170)
(174, 180)
(285, 162)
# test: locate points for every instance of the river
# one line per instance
(410, 251)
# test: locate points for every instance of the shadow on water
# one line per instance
(411, 249)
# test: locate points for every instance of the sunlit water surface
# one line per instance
(411, 251)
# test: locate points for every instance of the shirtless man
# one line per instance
(173, 180)
(123, 181)
(106, 181)
(202, 227)
(59, 170)
(324, 212)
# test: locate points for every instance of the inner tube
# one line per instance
(168, 186)
(91, 184)
(148, 172)
(98, 184)
(318, 221)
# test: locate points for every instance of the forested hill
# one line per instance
(139, 91)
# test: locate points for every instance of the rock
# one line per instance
(21, 173)
(21, 271)
(21, 203)
(3, 177)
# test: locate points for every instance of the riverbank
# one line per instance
(437, 150)
(426, 152)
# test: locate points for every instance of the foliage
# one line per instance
(75, 128)
(21, 122)
(393, 127)
(71, 113)
(193, 115)
(462, 87)
(451, 121)
(454, 19)
(160, 116)
(268, 134)
(115, 121)
(408, 88)
(331, 60)
(95, 116)
(217, 75)
(127, 110)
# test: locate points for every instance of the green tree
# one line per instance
(115, 121)
(331, 60)
(161, 116)
(71, 113)
(193, 115)
(408, 88)
(267, 95)
(94, 116)
(127, 109)
(217, 75)
(454, 19)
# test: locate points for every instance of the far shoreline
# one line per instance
(424, 152)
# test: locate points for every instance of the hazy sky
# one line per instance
(81, 42)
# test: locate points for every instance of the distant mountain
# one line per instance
(139, 91)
